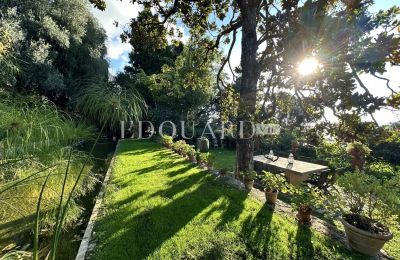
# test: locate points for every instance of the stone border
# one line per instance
(85, 243)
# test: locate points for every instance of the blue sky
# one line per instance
(123, 11)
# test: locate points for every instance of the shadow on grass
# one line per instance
(257, 232)
(142, 234)
(305, 248)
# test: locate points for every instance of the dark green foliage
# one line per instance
(60, 51)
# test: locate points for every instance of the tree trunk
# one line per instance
(248, 85)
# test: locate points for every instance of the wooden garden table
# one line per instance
(295, 173)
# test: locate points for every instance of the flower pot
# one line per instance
(271, 196)
(304, 216)
(248, 184)
(363, 241)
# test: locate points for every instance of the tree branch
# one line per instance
(387, 82)
(226, 60)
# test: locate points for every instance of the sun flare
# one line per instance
(308, 66)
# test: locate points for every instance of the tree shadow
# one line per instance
(137, 233)
(305, 247)
(257, 232)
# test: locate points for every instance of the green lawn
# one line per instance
(224, 158)
(159, 206)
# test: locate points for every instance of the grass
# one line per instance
(224, 158)
(159, 206)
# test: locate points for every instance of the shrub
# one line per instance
(191, 153)
(179, 146)
(210, 159)
(367, 196)
(167, 141)
(274, 182)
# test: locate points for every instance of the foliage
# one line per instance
(367, 196)
(189, 85)
(60, 51)
(167, 141)
(358, 148)
(248, 175)
(304, 197)
(274, 182)
(202, 158)
(107, 103)
(210, 159)
(10, 37)
(335, 153)
(381, 170)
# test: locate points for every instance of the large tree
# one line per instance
(275, 36)
(62, 46)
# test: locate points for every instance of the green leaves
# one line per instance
(99, 4)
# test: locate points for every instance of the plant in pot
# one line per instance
(273, 184)
(210, 161)
(303, 199)
(202, 159)
(248, 179)
(192, 155)
(179, 146)
(167, 141)
(368, 205)
(358, 152)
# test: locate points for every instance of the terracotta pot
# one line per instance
(271, 196)
(304, 216)
(248, 184)
(363, 241)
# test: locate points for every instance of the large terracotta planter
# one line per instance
(304, 216)
(363, 241)
(248, 184)
(271, 196)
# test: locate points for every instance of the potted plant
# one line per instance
(303, 199)
(367, 205)
(179, 146)
(202, 159)
(192, 155)
(358, 152)
(210, 161)
(273, 183)
(248, 179)
(167, 141)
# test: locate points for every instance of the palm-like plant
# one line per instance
(108, 103)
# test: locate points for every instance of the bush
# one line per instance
(167, 141)
(367, 196)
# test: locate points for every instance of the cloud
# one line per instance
(122, 12)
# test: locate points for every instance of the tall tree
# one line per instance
(269, 34)
(58, 52)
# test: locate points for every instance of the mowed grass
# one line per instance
(224, 158)
(159, 206)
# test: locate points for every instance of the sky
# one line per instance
(118, 52)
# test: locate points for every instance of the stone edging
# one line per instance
(85, 243)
